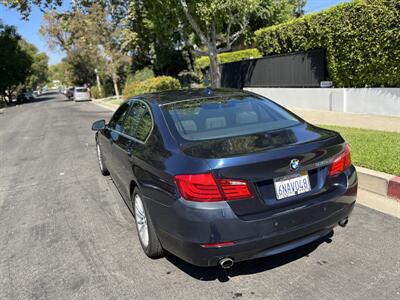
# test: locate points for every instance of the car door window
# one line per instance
(138, 123)
(117, 119)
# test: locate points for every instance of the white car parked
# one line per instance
(81, 94)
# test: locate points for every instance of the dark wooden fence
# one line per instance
(301, 69)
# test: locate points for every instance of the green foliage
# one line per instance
(141, 75)
(97, 93)
(373, 149)
(15, 61)
(361, 40)
(204, 61)
(38, 75)
(298, 7)
(61, 72)
(270, 12)
(91, 36)
(25, 6)
(156, 84)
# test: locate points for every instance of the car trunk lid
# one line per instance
(261, 158)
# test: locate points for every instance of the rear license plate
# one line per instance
(291, 185)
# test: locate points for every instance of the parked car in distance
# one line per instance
(29, 95)
(70, 93)
(21, 98)
(217, 176)
(81, 94)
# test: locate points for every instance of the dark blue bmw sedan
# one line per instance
(220, 176)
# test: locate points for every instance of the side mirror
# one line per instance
(99, 125)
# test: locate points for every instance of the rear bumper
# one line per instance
(255, 247)
(192, 225)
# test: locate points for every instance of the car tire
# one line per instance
(145, 228)
(100, 160)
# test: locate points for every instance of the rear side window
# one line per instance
(223, 117)
(81, 90)
(138, 123)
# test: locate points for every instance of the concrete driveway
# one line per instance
(65, 232)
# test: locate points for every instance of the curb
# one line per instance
(394, 188)
(373, 181)
(379, 183)
(102, 99)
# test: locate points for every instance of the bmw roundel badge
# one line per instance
(294, 164)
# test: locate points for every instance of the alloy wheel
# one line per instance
(99, 157)
(141, 221)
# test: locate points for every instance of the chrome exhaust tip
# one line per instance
(226, 263)
(343, 222)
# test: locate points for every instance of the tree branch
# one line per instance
(242, 29)
(196, 48)
(229, 27)
(193, 22)
(186, 41)
(232, 39)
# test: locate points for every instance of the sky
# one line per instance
(29, 30)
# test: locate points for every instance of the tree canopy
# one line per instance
(21, 65)
(25, 6)
(106, 40)
(91, 36)
(38, 71)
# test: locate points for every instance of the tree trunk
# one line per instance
(214, 69)
(99, 84)
(8, 96)
(187, 56)
(115, 82)
(213, 55)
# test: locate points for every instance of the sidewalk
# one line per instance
(376, 122)
(105, 104)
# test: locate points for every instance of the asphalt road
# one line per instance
(65, 232)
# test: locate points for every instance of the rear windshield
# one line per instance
(81, 90)
(224, 117)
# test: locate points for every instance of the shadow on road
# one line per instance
(44, 97)
(49, 96)
(247, 267)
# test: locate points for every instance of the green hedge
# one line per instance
(226, 57)
(361, 40)
(156, 84)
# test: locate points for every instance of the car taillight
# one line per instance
(341, 163)
(198, 187)
(204, 188)
(235, 189)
